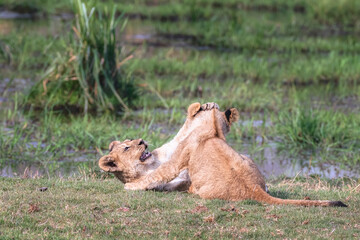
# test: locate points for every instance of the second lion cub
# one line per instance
(215, 169)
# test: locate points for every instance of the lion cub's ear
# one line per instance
(112, 144)
(108, 164)
(232, 115)
(193, 109)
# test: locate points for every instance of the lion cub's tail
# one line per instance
(262, 196)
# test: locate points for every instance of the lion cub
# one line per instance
(129, 160)
(215, 169)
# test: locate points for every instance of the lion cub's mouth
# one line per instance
(146, 154)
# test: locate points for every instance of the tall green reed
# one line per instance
(88, 75)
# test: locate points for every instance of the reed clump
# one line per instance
(88, 75)
(309, 128)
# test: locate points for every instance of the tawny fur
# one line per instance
(215, 169)
(127, 167)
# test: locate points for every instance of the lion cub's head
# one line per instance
(128, 160)
(213, 121)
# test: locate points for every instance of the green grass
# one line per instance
(93, 208)
(247, 32)
(54, 137)
(262, 68)
(318, 128)
(324, 11)
(27, 52)
(329, 136)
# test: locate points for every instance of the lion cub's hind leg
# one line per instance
(180, 183)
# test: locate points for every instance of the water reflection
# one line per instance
(273, 164)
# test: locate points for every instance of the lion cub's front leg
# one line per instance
(165, 173)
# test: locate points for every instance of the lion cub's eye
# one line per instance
(126, 148)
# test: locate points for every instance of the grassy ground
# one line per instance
(99, 208)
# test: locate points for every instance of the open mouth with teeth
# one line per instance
(145, 155)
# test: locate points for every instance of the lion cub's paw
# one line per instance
(209, 106)
(133, 186)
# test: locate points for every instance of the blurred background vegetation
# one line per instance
(75, 75)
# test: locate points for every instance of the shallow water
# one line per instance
(14, 15)
(270, 163)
